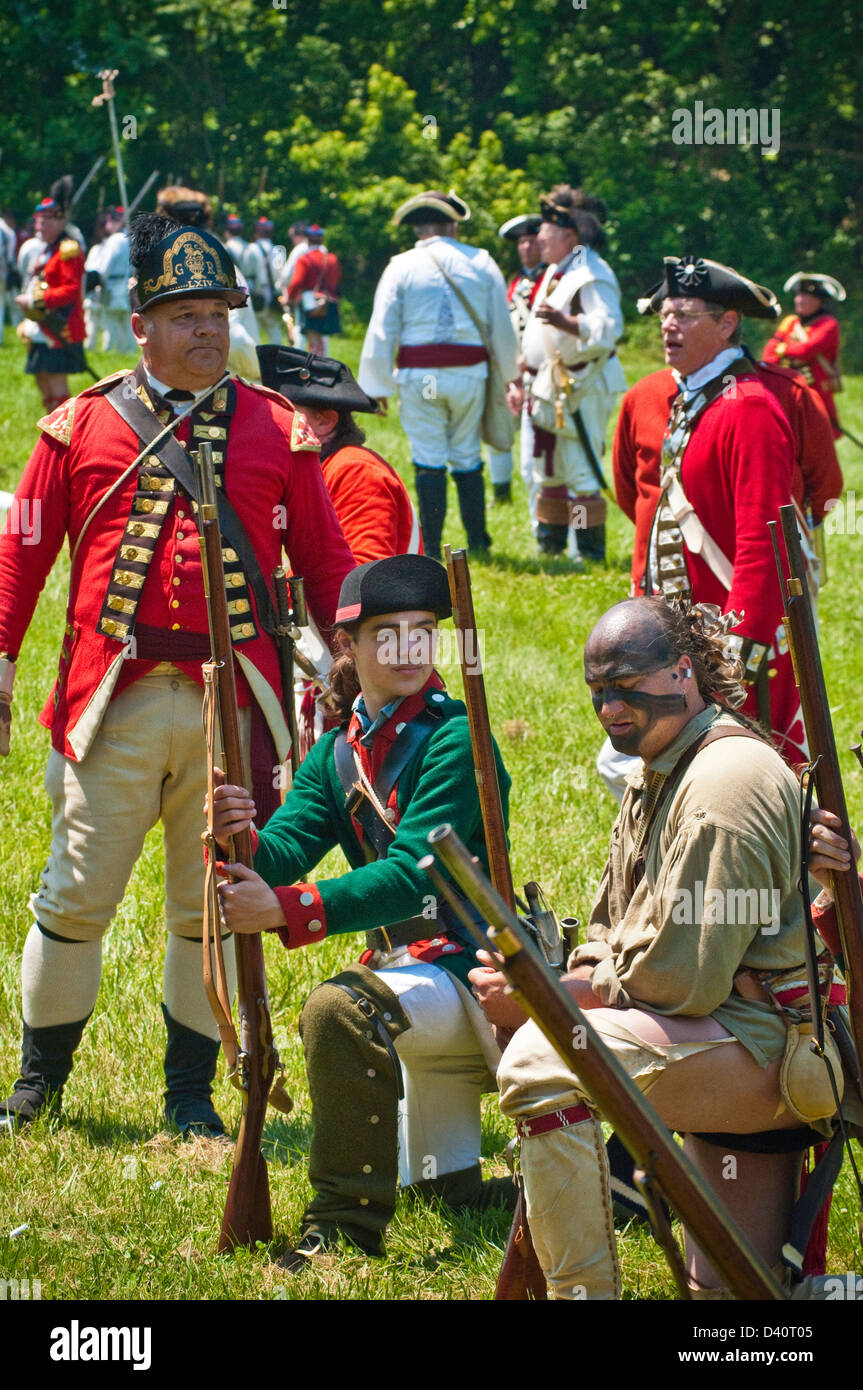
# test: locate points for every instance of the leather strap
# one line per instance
(132, 410)
(363, 807)
(711, 736)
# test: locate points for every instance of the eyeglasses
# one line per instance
(680, 317)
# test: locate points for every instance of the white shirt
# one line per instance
(692, 384)
(414, 305)
(600, 318)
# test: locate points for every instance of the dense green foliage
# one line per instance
(340, 111)
(115, 1208)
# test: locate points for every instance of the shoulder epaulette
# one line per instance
(59, 423)
(69, 249)
(787, 323)
(303, 437)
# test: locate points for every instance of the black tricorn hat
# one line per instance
(691, 277)
(187, 261)
(306, 379)
(397, 584)
(432, 206)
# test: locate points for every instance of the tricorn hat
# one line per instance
(824, 286)
(691, 277)
(234, 223)
(524, 224)
(187, 261)
(432, 206)
(305, 379)
(394, 585)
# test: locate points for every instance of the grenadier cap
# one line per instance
(306, 379)
(692, 277)
(57, 202)
(398, 584)
(188, 261)
(824, 286)
(524, 224)
(432, 206)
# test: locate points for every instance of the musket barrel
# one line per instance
(619, 1100)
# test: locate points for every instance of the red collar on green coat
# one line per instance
(372, 758)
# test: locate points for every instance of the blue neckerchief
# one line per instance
(370, 726)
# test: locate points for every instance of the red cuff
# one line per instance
(305, 919)
(827, 927)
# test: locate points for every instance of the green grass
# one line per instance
(116, 1209)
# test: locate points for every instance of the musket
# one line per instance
(292, 615)
(485, 767)
(802, 638)
(247, 1217)
(665, 1170)
(142, 191)
(520, 1274)
(106, 96)
(83, 184)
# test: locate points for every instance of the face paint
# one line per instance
(657, 706)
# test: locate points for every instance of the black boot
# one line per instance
(551, 539)
(431, 495)
(465, 1189)
(46, 1061)
(591, 542)
(471, 504)
(502, 494)
(190, 1067)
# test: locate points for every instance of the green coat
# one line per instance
(438, 785)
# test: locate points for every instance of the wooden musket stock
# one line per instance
(809, 674)
(247, 1216)
(485, 767)
(616, 1096)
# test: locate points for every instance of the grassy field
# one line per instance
(114, 1207)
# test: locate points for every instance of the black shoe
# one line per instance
(502, 494)
(46, 1061)
(190, 1067)
(591, 542)
(319, 1240)
(551, 539)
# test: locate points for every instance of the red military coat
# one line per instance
(61, 279)
(273, 479)
(315, 270)
(372, 503)
(638, 446)
(812, 348)
(738, 469)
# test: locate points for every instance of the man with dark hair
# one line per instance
(125, 716)
(573, 375)
(53, 301)
(696, 932)
(440, 311)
